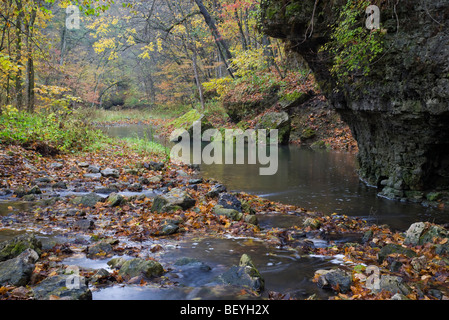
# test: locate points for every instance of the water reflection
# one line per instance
(324, 181)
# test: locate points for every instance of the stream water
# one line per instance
(318, 180)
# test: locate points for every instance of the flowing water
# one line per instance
(322, 181)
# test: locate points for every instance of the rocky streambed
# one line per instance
(120, 225)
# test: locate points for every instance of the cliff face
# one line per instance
(399, 112)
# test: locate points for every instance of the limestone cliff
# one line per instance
(399, 112)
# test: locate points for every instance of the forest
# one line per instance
(314, 150)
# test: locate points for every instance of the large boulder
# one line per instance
(175, 199)
(17, 271)
(279, 121)
(12, 248)
(397, 107)
(335, 279)
(137, 267)
(64, 287)
(423, 232)
(244, 275)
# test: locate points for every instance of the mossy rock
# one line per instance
(12, 248)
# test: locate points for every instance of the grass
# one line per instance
(65, 133)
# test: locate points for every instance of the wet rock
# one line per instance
(84, 225)
(136, 187)
(42, 180)
(195, 181)
(244, 275)
(251, 218)
(59, 185)
(88, 200)
(168, 226)
(229, 201)
(108, 172)
(116, 263)
(101, 249)
(232, 214)
(64, 287)
(333, 279)
(17, 271)
(137, 266)
(216, 190)
(35, 190)
(312, 223)
(12, 248)
(115, 199)
(174, 200)
(106, 190)
(192, 263)
(20, 191)
(393, 248)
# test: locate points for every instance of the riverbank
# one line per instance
(118, 202)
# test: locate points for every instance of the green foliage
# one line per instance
(67, 135)
(352, 46)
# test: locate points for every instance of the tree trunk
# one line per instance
(242, 34)
(30, 62)
(18, 84)
(219, 40)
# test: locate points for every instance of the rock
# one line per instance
(251, 218)
(232, 214)
(101, 249)
(394, 248)
(393, 284)
(17, 271)
(29, 197)
(400, 122)
(136, 187)
(106, 190)
(59, 185)
(155, 179)
(195, 181)
(229, 201)
(88, 200)
(192, 263)
(244, 275)
(42, 180)
(20, 191)
(137, 266)
(56, 166)
(12, 248)
(93, 169)
(35, 190)
(108, 172)
(414, 232)
(168, 227)
(115, 199)
(312, 223)
(94, 176)
(64, 287)
(116, 263)
(84, 225)
(420, 233)
(216, 190)
(174, 200)
(333, 279)
(83, 164)
(153, 165)
(279, 121)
